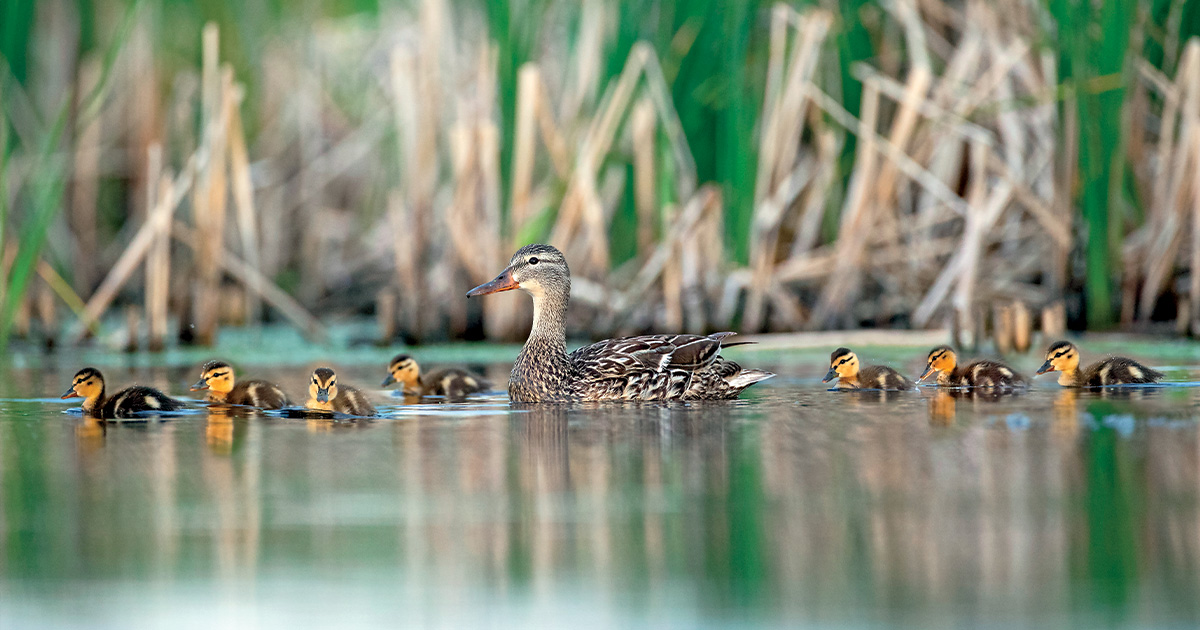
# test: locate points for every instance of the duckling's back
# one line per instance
(882, 377)
(988, 373)
(452, 383)
(352, 402)
(137, 399)
(258, 393)
(1118, 371)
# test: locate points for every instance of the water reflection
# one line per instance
(928, 507)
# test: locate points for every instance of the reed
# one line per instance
(704, 165)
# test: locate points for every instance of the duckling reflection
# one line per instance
(218, 432)
(943, 407)
(1066, 414)
(90, 434)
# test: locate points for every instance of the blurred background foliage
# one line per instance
(136, 66)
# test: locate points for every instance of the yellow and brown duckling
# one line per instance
(1063, 357)
(844, 366)
(452, 383)
(324, 394)
(88, 384)
(982, 373)
(217, 377)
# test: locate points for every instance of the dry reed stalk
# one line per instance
(268, 291)
(404, 251)
(385, 315)
(1054, 321)
(524, 138)
(243, 194)
(1022, 327)
(1003, 327)
(210, 192)
(645, 185)
(1161, 255)
(85, 182)
(47, 312)
(133, 328)
(135, 252)
(840, 288)
(158, 258)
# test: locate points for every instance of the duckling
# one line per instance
(1063, 357)
(88, 384)
(843, 365)
(452, 383)
(983, 373)
(217, 377)
(324, 394)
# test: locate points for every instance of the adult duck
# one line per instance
(647, 367)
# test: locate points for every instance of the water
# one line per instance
(795, 506)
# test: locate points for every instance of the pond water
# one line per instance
(794, 506)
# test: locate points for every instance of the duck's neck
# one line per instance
(93, 404)
(543, 362)
(1069, 378)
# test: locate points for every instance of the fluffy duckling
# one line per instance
(449, 382)
(88, 384)
(324, 394)
(1063, 357)
(217, 377)
(843, 365)
(983, 373)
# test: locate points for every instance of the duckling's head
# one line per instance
(217, 376)
(535, 269)
(842, 364)
(941, 359)
(87, 383)
(404, 370)
(323, 387)
(1062, 356)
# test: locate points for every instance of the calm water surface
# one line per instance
(794, 506)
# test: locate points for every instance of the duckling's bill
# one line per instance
(1046, 367)
(830, 375)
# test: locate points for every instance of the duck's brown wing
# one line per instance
(659, 367)
(1119, 371)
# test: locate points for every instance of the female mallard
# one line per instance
(1063, 357)
(983, 373)
(452, 383)
(89, 385)
(843, 365)
(324, 394)
(649, 367)
(217, 377)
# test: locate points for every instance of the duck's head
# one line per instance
(535, 269)
(941, 359)
(87, 383)
(1062, 356)
(323, 387)
(404, 370)
(217, 376)
(842, 364)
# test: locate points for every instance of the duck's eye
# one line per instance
(533, 261)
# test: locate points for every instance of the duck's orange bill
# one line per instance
(928, 371)
(1046, 367)
(70, 393)
(503, 282)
